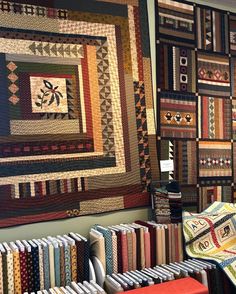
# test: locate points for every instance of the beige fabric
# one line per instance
(52, 266)
(10, 273)
(158, 246)
(17, 277)
(114, 252)
(164, 249)
(41, 268)
(134, 242)
(142, 255)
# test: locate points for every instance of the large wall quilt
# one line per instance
(196, 99)
(77, 133)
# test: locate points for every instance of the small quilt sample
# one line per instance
(213, 74)
(211, 235)
(233, 76)
(183, 152)
(178, 115)
(196, 99)
(77, 132)
(212, 30)
(234, 118)
(176, 23)
(215, 159)
(211, 193)
(176, 69)
(234, 163)
(189, 197)
(214, 118)
(232, 33)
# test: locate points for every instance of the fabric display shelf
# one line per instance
(30, 266)
(195, 269)
(181, 286)
(189, 276)
(167, 202)
(206, 273)
(126, 247)
(80, 288)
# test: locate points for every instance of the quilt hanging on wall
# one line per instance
(77, 133)
(196, 99)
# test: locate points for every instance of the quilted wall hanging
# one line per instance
(77, 132)
(196, 99)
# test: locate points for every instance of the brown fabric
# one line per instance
(130, 250)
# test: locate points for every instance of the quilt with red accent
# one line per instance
(196, 99)
(211, 235)
(77, 132)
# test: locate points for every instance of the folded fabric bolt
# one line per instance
(182, 286)
(167, 201)
(34, 265)
(137, 245)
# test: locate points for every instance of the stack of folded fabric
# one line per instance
(175, 200)
(126, 247)
(74, 288)
(204, 272)
(167, 202)
(33, 265)
(161, 205)
(212, 279)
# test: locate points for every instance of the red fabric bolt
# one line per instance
(181, 286)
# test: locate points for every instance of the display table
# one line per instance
(181, 286)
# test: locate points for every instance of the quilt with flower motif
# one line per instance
(77, 132)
